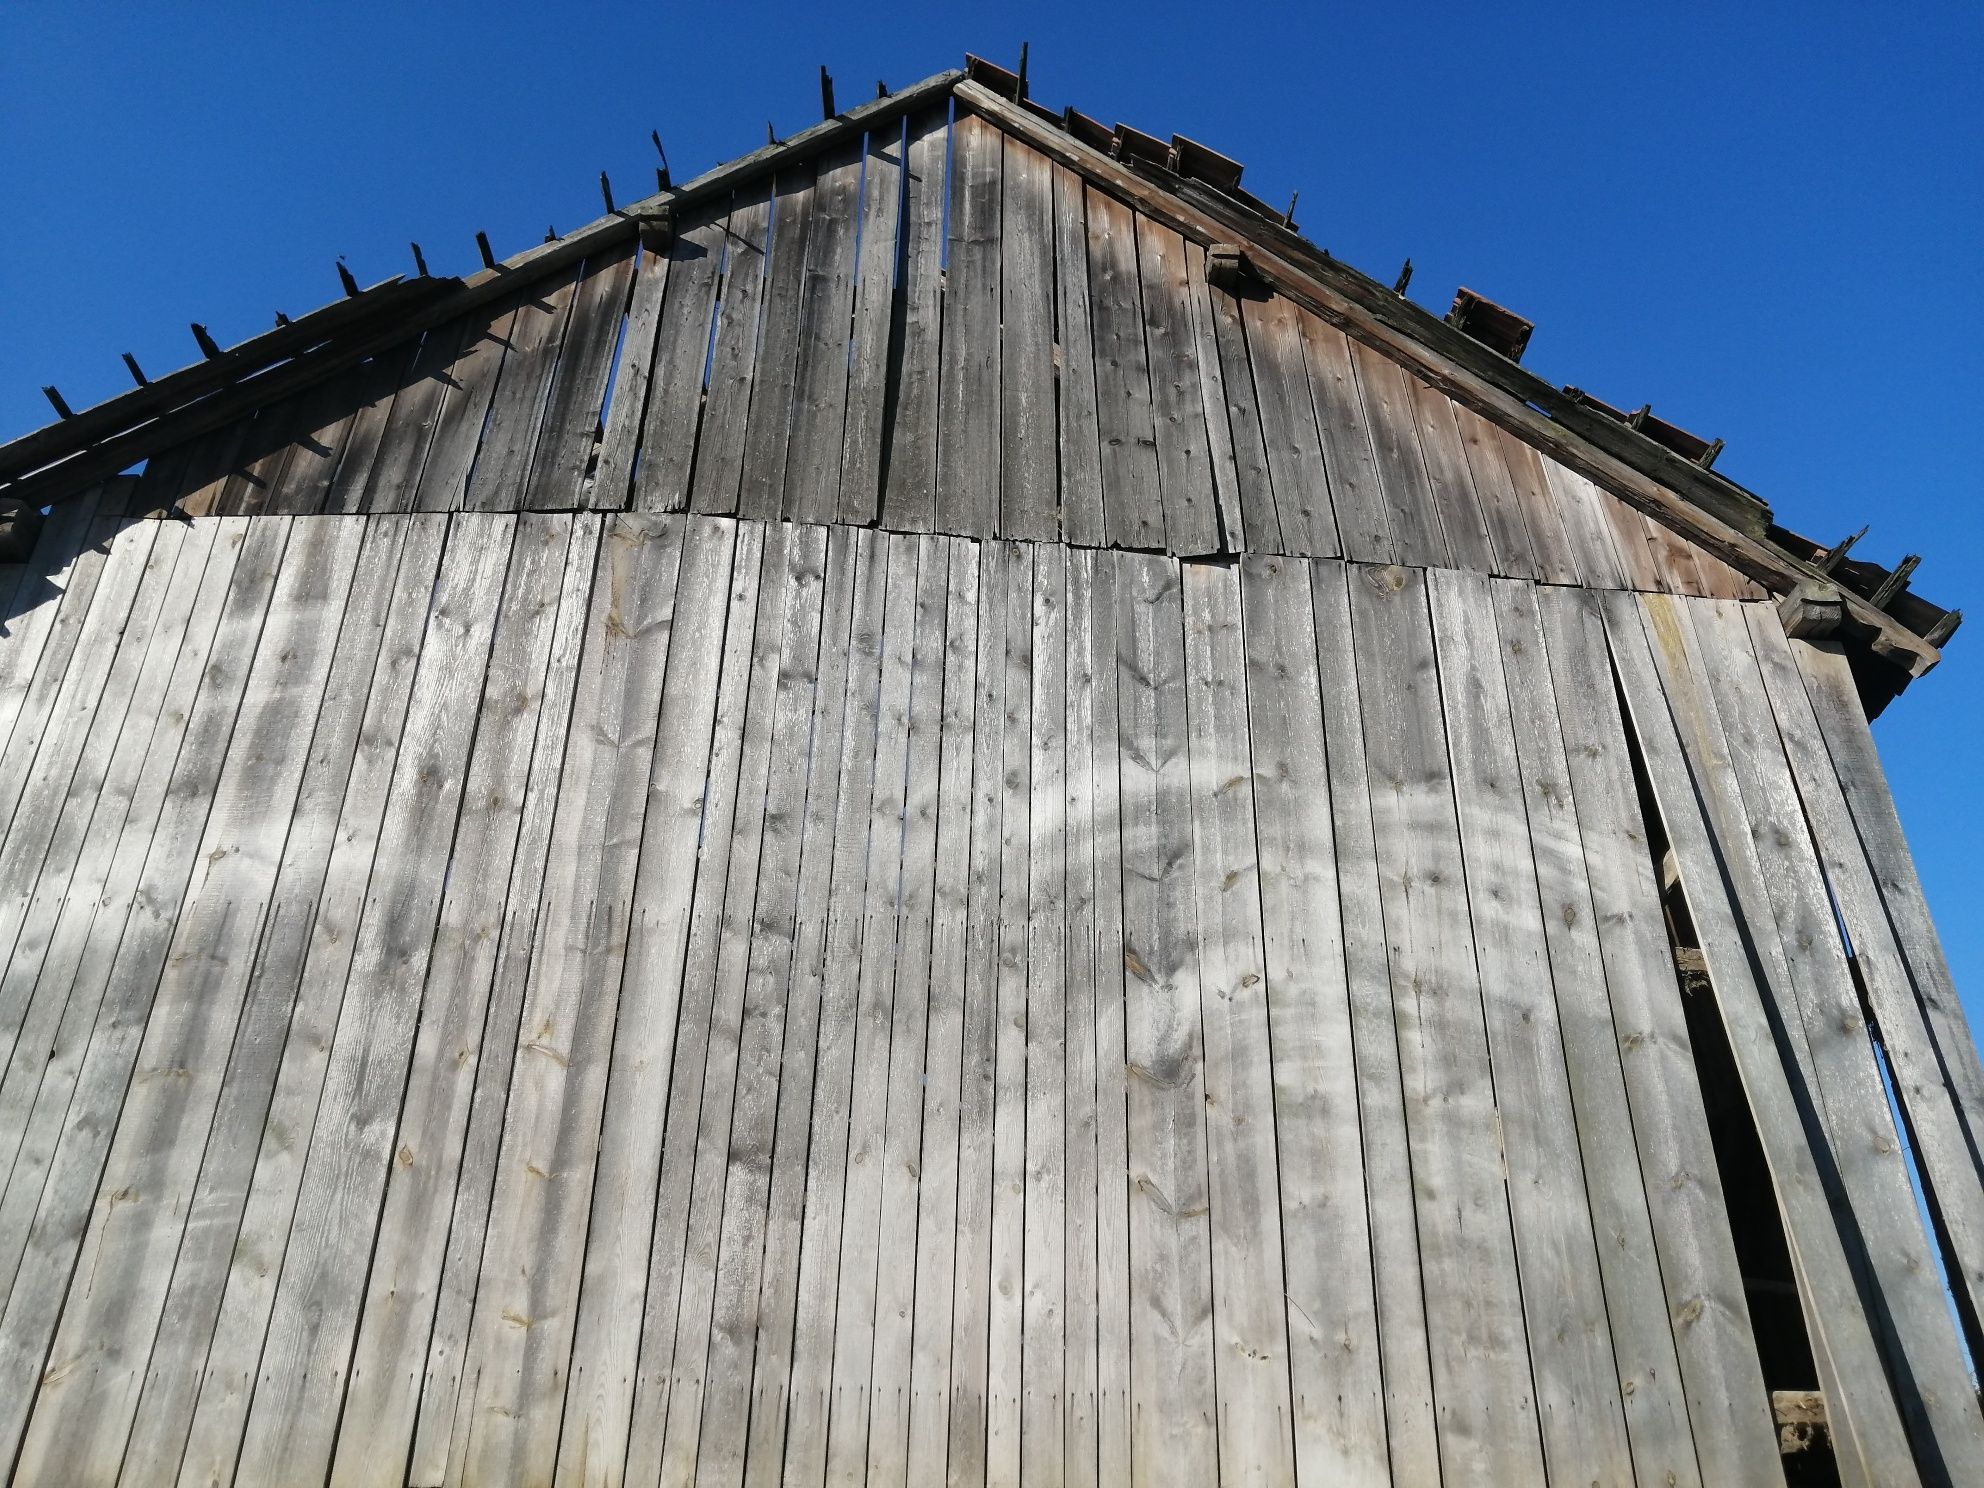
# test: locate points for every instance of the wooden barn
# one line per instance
(940, 807)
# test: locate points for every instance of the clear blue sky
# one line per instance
(1768, 226)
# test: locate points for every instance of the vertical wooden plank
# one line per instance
(1673, 558)
(211, 464)
(1251, 522)
(205, 1433)
(1719, 579)
(1630, 541)
(226, 1239)
(1080, 1236)
(1404, 1346)
(1622, 1165)
(570, 438)
(57, 565)
(633, 378)
(1728, 1404)
(1935, 1120)
(879, 983)
(841, 937)
(1005, 1380)
(1508, 530)
(404, 1313)
(1362, 521)
(1580, 504)
(516, 1375)
(1337, 1411)
(1250, 1324)
(697, 1033)
(1563, 1298)
(259, 455)
(1556, 557)
(318, 1300)
(499, 480)
(970, 1312)
(49, 1008)
(727, 1398)
(825, 312)
(916, 991)
(1172, 1359)
(1213, 395)
(57, 704)
(1029, 474)
(1448, 476)
(928, 1391)
(306, 1357)
(1114, 1402)
(42, 896)
(163, 1122)
(717, 363)
(467, 407)
(909, 483)
(682, 435)
(1045, 1339)
(53, 1187)
(610, 1297)
(1913, 1322)
(1857, 767)
(863, 456)
(1132, 500)
(1391, 418)
(1303, 515)
(213, 1234)
(1670, 716)
(364, 439)
(768, 425)
(60, 754)
(320, 427)
(1480, 1358)
(1184, 463)
(1082, 521)
(969, 439)
(788, 1214)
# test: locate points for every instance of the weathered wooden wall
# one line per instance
(903, 842)
(549, 996)
(817, 347)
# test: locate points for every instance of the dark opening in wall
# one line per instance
(1763, 1254)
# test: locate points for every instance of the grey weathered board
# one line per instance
(933, 325)
(659, 997)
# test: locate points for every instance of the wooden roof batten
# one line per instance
(1186, 185)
